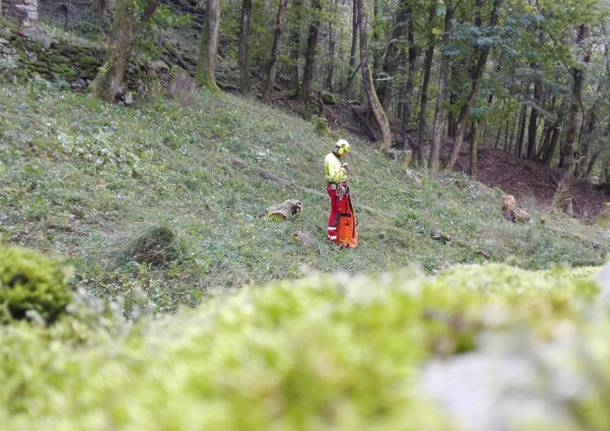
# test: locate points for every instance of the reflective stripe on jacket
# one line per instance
(334, 170)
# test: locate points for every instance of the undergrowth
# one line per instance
(85, 179)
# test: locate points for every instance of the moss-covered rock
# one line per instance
(32, 282)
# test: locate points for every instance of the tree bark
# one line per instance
(331, 54)
(549, 152)
(275, 52)
(521, 134)
(392, 53)
(385, 134)
(310, 53)
(208, 47)
(533, 124)
(569, 153)
(476, 75)
(244, 31)
(354, 46)
(423, 101)
(126, 28)
(406, 91)
(295, 47)
(439, 111)
(473, 149)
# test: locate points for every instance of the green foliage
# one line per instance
(326, 352)
(31, 283)
(157, 246)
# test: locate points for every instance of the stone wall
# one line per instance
(25, 12)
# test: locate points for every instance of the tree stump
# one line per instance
(285, 210)
(511, 212)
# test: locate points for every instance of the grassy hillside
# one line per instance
(85, 179)
(326, 352)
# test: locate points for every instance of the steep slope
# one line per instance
(85, 179)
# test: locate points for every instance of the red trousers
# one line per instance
(338, 205)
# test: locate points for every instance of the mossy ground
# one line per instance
(83, 179)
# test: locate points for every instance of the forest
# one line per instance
(167, 258)
(529, 77)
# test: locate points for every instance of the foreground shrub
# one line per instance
(31, 282)
(323, 353)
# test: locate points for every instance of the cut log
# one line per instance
(285, 210)
(511, 212)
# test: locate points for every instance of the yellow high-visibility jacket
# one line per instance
(334, 170)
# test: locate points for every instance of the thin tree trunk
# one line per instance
(439, 111)
(392, 53)
(423, 101)
(367, 82)
(103, 5)
(310, 54)
(331, 55)
(208, 47)
(533, 124)
(354, 46)
(295, 47)
(547, 158)
(376, 63)
(126, 28)
(406, 93)
(591, 164)
(512, 133)
(476, 75)
(244, 30)
(473, 149)
(506, 134)
(521, 134)
(275, 52)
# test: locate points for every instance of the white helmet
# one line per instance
(342, 147)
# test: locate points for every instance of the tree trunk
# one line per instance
(570, 149)
(533, 124)
(521, 134)
(376, 63)
(352, 52)
(439, 111)
(126, 28)
(208, 47)
(331, 56)
(244, 30)
(392, 53)
(423, 101)
(295, 47)
(404, 98)
(473, 149)
(367, 82)
(275, 52)
(103, 5)
(310, 53)
(476, 75)
(547, 158)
